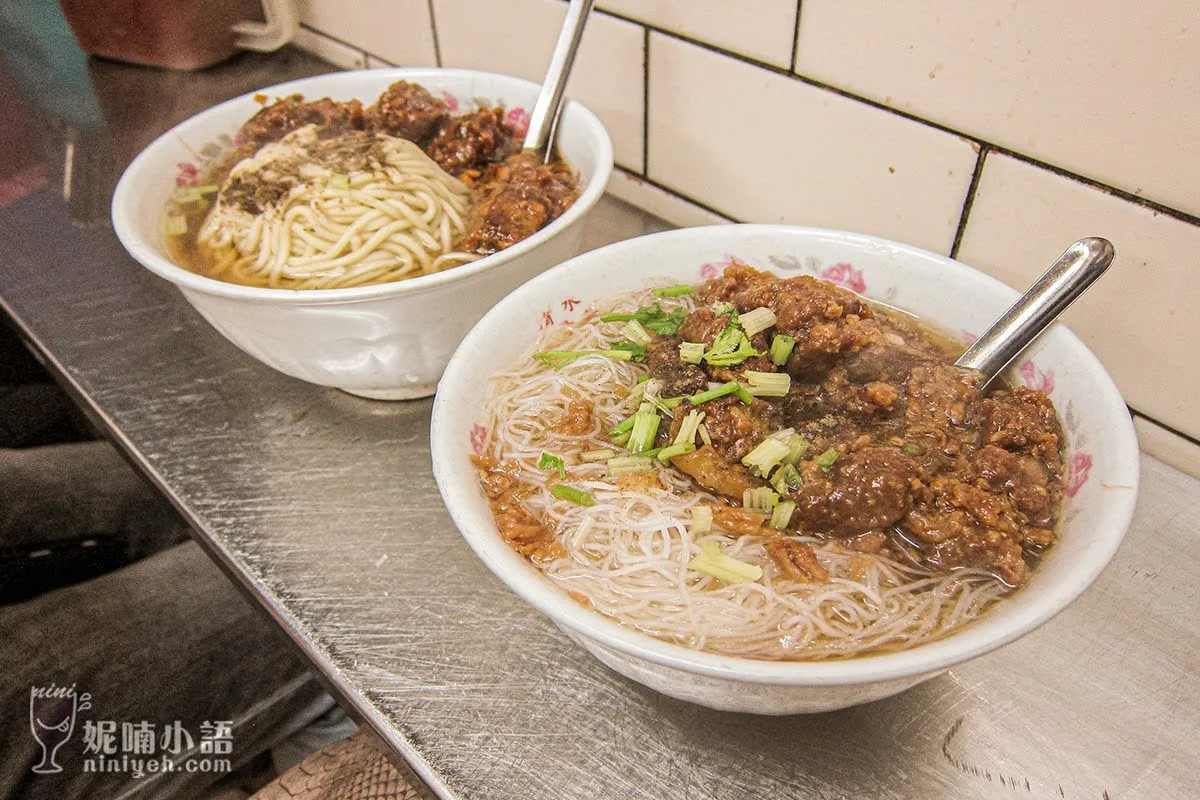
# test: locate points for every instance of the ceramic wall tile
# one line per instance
(336, 53)
(1140, 318)
(1103, 89)
(516, 37)
(1167, 446)
(761, 29)
(635, 190)
(399, 31)
(375, 62)
(763, 147)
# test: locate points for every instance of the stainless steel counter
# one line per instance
(323, 506)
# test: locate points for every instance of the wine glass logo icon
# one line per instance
(52, 711)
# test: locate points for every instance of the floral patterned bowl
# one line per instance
(389, 341)
(1102, 453)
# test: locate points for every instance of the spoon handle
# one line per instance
(1069, 276)
(549, 100)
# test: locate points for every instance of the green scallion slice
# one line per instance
(645, 428)
(757, 321)
(827, 459)
(673, 291)
(767, 384)
(760, 499)
(765, 456)
(619, 466)
(712, 561)
(782, 515)
(634, 332)
(781, 349)
(665, 454)
(713, 394)
(569, 493)
(691, 352)
(592, 456)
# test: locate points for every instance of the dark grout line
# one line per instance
(645, 101)
(1186, 437)
(1174, 213)
(437, 44)
(796, 35)
(969, 201)
(674, 193)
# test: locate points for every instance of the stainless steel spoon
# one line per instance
(543, 121)
(1069, 276)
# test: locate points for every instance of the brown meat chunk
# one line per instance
(679, 378)
(735, 428)
(702, 325)
(578, 420)
(1021, 420)
(941, 395)
(865, 491)
(796, 560)
(524, 532)
(516, 199)
(471, 141)
(1028, 481)
(287, 114)
(707, 468)
(406, 110)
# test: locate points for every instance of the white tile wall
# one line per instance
(1141, 318)
(342, 55)
(1103, 88)
(762, 147)
(761, 29)
(399, 31)
(517, 37)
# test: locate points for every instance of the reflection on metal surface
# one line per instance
(323, 506)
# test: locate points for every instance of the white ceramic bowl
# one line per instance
(1102, 454)
(389, 341)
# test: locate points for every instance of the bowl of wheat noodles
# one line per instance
(738, 465)
(348, 229)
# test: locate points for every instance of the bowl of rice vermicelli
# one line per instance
(348, 229)
(738, 465)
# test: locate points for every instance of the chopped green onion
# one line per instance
(560, 358)
(645, 428)
(670, 402)
(827, 459)
(691, 352)
(712, 561)
(590, 456)
(619, 466)
(757, 321)
(340, 181)
(791, 477)
(763, 458)
(760, 499)
(910, 449)
(713, 394)
(702, 518)
(703, 431)
(175, 225)
(673, 291)
(577, 496)
(782, 515)
(781, 349)
(637, 351)
(634, 332)
(768, 384)
(742, 394)
(551, 461)
(720, 308)
(797, 447)
(779, 479)
(620, 439)
(624, 427)
(689, 427)
(665, 454)
(643, 378)
(730, 348)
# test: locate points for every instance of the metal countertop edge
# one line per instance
(327, 671)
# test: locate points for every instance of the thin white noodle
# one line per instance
(627, 554)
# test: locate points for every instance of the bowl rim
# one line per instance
(974, 640)
(124, 215)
